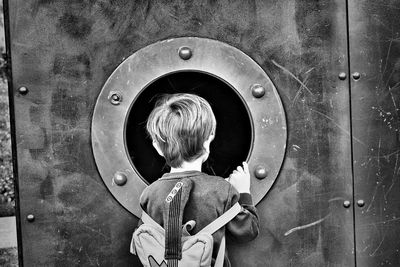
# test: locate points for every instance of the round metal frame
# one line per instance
(185, 54)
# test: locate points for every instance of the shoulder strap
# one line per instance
(222, 220)
(219, 260)
(218, 223)
(211, 228)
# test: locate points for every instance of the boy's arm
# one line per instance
(245, 226)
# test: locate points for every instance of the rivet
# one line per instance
(260, 172)
(30, 217)
(356, 75)
(23, 90)
(257, 90)
(342, 76)
(115, 98)
(346, 204)
(120, 178)
(185, 53)
(360, 203)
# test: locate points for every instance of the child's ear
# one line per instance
(207, 143)
(157, 147)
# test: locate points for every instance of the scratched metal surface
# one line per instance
(63, 51)
(375, 54)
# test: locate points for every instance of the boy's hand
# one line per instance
(240, 178)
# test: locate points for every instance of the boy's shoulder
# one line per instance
(211, 179)
(214, 185)
(200, 179)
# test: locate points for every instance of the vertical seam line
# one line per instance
(351, 133)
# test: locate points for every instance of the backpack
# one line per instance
(148, 243)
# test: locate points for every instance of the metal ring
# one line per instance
(159, 59)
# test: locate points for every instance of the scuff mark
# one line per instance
(295, 147)
(377, 248)
(335, 199)
(337, 125)
(393, 176)
(373, 198)
(387, 156)
(382, 222)
(302, 227)
(293, 76)
(299, 90)
(95, 231)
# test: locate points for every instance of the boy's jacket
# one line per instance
(208, 198)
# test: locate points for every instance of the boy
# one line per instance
(182, 126)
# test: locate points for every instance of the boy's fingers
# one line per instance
(240, 169)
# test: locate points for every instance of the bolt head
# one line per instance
(360, 203)
(185, 53)
(356, 75)
(342, 76)
(30, 217)
(257, 90)
(120, 178)
(260, 172)
(115, 98)
(23, 90)
(346, 204)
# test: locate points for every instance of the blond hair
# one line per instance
(180, 124)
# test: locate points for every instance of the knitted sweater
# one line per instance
(203, 200)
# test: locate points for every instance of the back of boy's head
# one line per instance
(180, 124)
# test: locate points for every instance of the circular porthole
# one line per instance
(230, 112)
(250, 118)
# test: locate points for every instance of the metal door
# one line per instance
(61, 54)
(374, 62)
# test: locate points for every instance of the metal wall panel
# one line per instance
(374, 28)
(62, 51)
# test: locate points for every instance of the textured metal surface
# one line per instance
(64, 51)
(159, 59)
(375, 97)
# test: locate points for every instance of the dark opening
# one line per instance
(232, 142)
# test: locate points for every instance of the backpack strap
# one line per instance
(219, 260)
(222, 220)
(211, 228)
(218, 223)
